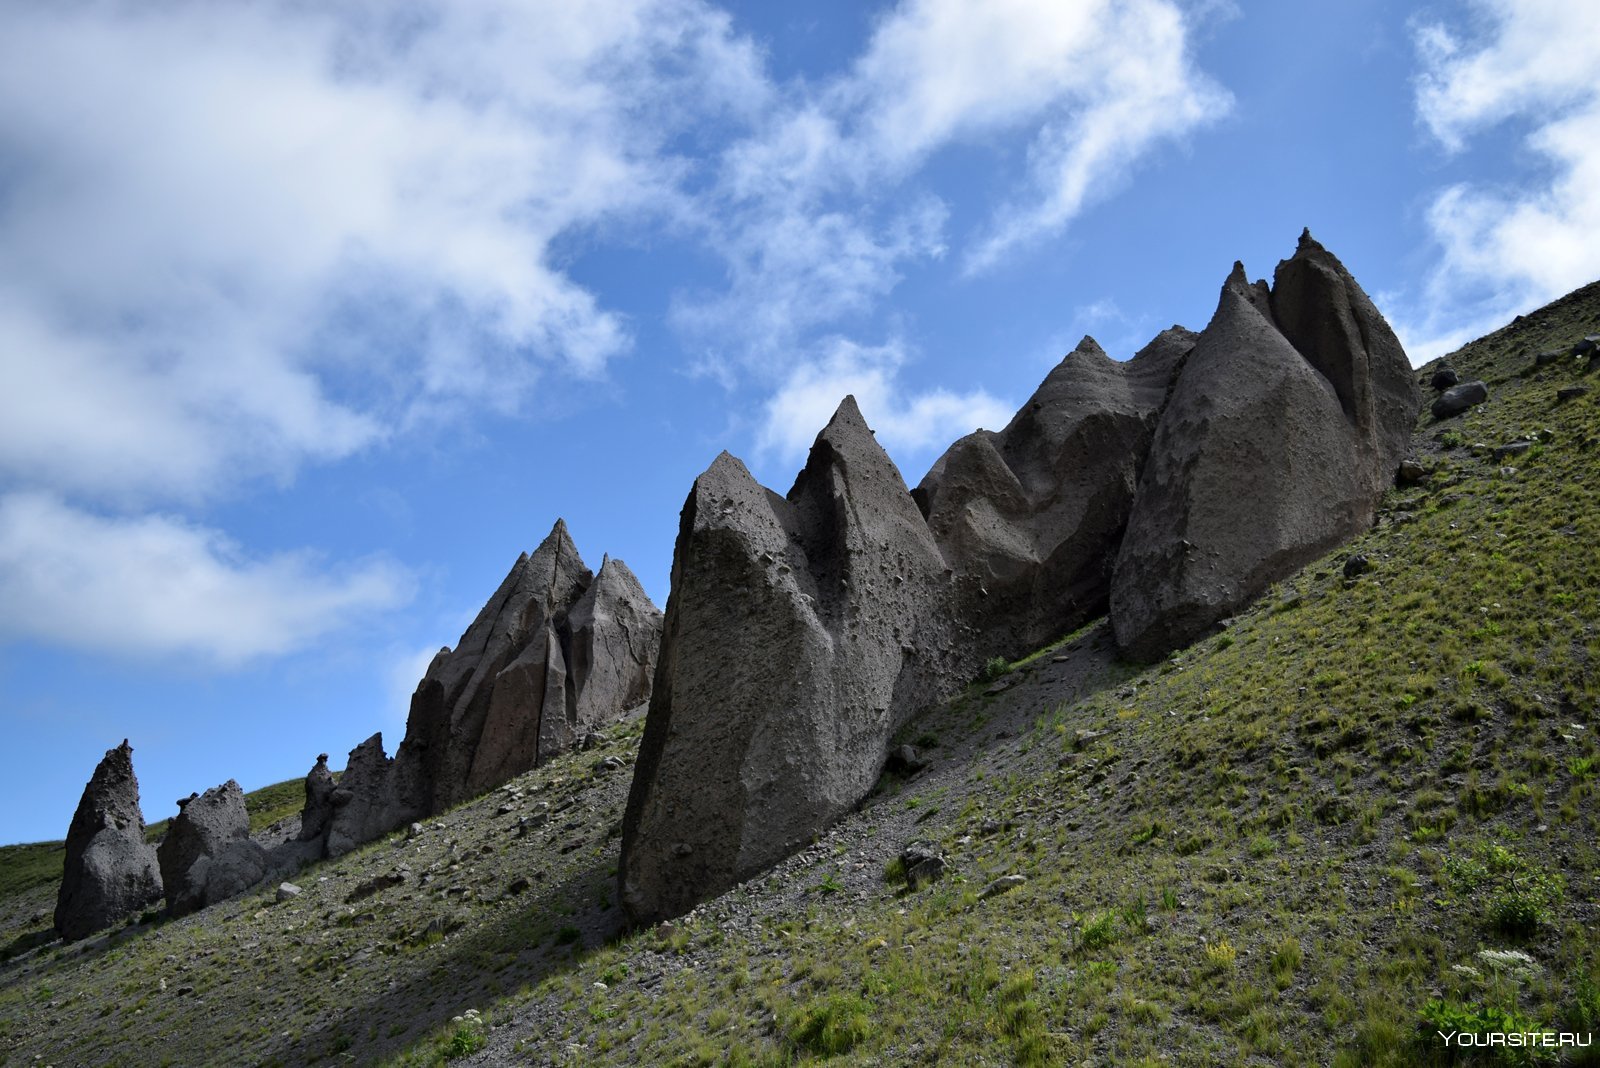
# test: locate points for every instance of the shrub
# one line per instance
(833, 1025)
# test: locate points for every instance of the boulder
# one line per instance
(1270, 451)
(1030, 517)
(1458, 399)
(801, 631)
(1444, 378)
(110, 871)
(202, 830)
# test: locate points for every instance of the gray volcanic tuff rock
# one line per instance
(110, 870)
(1332, 322)
(555, 654)
(203, 830)
(318, 809)
(363, 802)
(1458, 399)
(1270, 451)
(1030, 517)
(800, 633)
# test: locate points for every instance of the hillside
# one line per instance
(1290, 843)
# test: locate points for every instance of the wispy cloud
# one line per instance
(908, 422)
(156, 585)
(1507, 248)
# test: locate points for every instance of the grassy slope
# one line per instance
(1283, 843)
(1289, 839)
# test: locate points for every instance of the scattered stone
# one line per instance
(1444, 378)
(1588, 346)
(1458, 399)
(1004, 884)
(1566, 393)
(923, 864)
(414, 831)
(1544, 359)
(376, 885)
(1410, 472)
(288, 891)
(1083, 737)
(110, 872)
(905, 760)
(610, 763)
(1515, 448)
(1357, 564)
(519, 886)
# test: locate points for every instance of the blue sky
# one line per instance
(313, 316)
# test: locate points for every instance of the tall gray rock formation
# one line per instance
(206, 854)
(1030, 517)
(800, 633)
(1275, 446)
(110, 870)
(556, 653)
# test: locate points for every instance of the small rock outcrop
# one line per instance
(206, 854)
(110, 872)
(801, 631)
(1289, 419)
(1030, 517)
(363, 804)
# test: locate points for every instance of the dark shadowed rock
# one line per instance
(1030, 517)
(364, 804)
(1331, 322)
(1268, 454)
(110, 871)
(318, 809)
(196, 837)
(615, 633)
(1444, 378)
(1458, 399)
(800, 633)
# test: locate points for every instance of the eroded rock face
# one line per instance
(318, 809)
(555, 654)
(204, 829)
(1030, 517)
(363, 802)
(800, 633)
(110, 871)
(1270, 451)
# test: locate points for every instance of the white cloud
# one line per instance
(1507, 248)
(820, 211)
(203, 204)
(156, 585)
(914, 423)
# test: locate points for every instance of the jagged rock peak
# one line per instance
(1030, 517)
(1285, 425)
(110, 872)
(800, 632)
(205, 829)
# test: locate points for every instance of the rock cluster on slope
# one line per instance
(1030, 517)
(110, 870)
(557, 653)
(1289, 419)
(801, 631)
